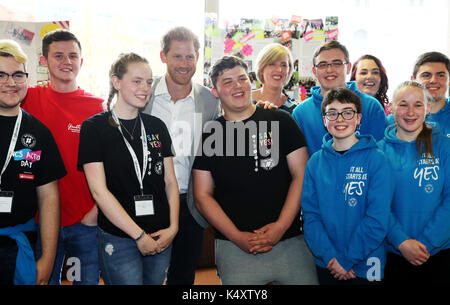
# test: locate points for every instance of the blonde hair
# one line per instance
(270, 54)
(12, 48)
(424, 140)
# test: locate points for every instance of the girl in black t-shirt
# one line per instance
(127, 159)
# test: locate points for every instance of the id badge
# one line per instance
(144, 205)
(6, 199)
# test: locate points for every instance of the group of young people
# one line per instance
(120, 160)
(325, 192)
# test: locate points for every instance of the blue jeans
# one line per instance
(121, 262)
(76, 241)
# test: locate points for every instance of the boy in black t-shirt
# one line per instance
(247, 184)
(30, 166)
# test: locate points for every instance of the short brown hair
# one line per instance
(431, 57)
(179, 34)
(225, 63)
(57, 35)
(333, 44)
(342, 95)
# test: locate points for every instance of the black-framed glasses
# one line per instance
(346, 115)
(18, 77)
(334, 64)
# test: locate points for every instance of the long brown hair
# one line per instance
(381, 94)
(118, 69)
(424, 140)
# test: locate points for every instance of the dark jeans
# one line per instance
(186, 248)
(325, 278)
(436, 270)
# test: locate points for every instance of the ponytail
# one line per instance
(112, 93)
(118, 69)
(425, 140)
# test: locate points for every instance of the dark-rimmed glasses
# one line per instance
(334, 64)
(346, 115)
(18, 77)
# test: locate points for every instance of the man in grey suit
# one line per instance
(184, 107)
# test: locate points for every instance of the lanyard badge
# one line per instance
(143, 202)
(6, 197)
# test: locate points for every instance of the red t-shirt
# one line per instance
(63, 114)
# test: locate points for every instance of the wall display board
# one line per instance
(247, 37)
(29, 36)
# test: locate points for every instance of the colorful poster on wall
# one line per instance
(29, 35)
(211, 31)
(245, 38)
(331, 28)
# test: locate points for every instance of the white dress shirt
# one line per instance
(179, 118)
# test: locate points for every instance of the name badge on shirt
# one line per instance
(144, 205)
(6, 199)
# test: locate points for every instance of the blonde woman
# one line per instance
(274, 68)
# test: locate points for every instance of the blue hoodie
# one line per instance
(308, 116)
(440, 119)
(25, 272)
(421, 205)
(346, 203)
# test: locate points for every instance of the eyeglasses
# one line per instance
(18, 77)
(334, 64)
(346, 115)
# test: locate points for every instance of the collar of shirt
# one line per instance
(161, 89)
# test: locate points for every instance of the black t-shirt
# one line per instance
(36, 162)
(252, 190)
(100, 141)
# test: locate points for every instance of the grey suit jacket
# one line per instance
(206, 107)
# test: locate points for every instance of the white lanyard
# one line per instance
(12, 144)
(139, 174)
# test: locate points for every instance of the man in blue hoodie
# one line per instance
(331, 65)
(432, 70)
(345, 226)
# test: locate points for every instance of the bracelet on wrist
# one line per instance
(140, 236)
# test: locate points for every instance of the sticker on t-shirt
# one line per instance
(154, 141)
(159, 167)
(28, 155)
(28, 140)
(26, 176)
(267, 164)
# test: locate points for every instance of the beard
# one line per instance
(437, 98)
(181, 79)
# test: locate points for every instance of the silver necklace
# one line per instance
(134, 127)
